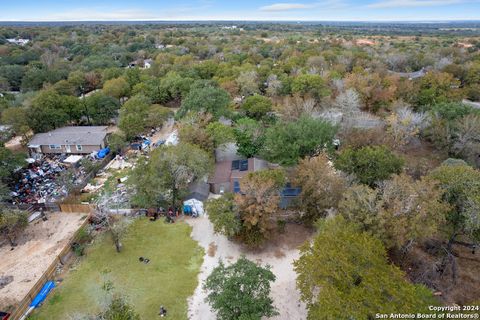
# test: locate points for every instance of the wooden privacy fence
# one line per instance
(77, 208)
(48, 275)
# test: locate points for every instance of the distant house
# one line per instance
(69, 140)
(228, 174)
(410, 75)
(143, 64)
(20, 42)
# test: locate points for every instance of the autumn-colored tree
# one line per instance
(258, 203)
(293, 108)
(345, 274)
(437, 87)
(410, 210)
(194, 134)
(404, 124)
(375, 91)
(403, 211)
(322, 186)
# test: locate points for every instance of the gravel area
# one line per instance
(279, 254)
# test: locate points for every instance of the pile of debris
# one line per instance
(39, 183)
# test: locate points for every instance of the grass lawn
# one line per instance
(168, 280)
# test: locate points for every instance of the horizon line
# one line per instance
(244, 20)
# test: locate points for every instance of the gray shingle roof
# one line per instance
(89, 135)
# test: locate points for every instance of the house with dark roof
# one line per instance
(228, 173)
(69, 140)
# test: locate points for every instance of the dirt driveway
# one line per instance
(37, 248)
(280, 254)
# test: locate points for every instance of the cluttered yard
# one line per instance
(169, 277)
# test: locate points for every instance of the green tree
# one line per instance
(355, 280)
(117, 88)
(250, 137)
(133, 115)
(101, 108)
(241, 291)
(17, 117)
(13, 74)
(207, 99)
(50, 110)
(9, 162)
(117, 141)
(310, 84)
(223, 214)
(436, 87)
(12, 223)
(220, 133)
(369, 164)
(157, 115)
(461, 189)
(257, 106)
(164, 179)
(287, 142)
(175, 86)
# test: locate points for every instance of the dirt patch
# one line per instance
(164, 132)
(15, 144)
(461, 287)
(279, 253)
(37, 249)
(421, 157)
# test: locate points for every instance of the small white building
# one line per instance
(20, 42)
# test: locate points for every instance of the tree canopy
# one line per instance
(165, 178)
(355, 280)
(241, 291)
(369, 164)
(286, 143)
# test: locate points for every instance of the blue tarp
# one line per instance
(42, 294)
(103, 153)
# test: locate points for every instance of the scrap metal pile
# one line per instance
(39, 181)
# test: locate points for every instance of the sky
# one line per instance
(301, 10)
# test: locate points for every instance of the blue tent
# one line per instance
(103, 153)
